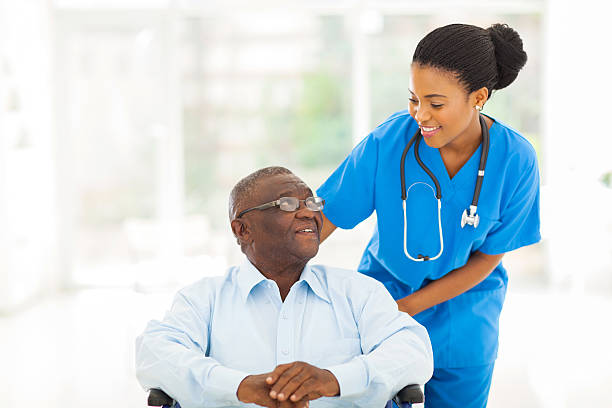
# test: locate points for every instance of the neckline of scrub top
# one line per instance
(466, 175)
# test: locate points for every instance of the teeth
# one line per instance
(429, 129)
(306, 230)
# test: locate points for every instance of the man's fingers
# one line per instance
(302, 404)
(306, 391)
(290, 404)
(283, 379)
(277, 372)
(293, 384)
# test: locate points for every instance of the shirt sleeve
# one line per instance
(396, 352)
(349, 191)
(171, 356)
(520, 219)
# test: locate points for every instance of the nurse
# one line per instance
(458, 295)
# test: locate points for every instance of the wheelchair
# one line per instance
(410, 394)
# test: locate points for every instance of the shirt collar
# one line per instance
(314, 279)
(249, 277)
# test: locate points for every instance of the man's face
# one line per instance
(276, 234)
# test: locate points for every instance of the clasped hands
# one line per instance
(290, 385)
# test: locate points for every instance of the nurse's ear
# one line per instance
(479, 97)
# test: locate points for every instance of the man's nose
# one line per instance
(304, 212)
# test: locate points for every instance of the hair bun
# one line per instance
(509, 53)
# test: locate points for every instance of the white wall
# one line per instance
(576, 207)
(27, 196)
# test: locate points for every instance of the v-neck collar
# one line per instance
(466, 174)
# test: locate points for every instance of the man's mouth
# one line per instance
(306, 231)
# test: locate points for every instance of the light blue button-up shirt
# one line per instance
(221, 329)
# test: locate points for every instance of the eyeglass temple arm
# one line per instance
(260, 207)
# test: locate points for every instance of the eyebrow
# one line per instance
(432, 95)
(286, 193)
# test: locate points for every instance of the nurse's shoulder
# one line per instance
(514, 147)
(395, 126)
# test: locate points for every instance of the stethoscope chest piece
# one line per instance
(472, 218)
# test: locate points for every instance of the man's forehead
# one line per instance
(272, 187)
(281, 183)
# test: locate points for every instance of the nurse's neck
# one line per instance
(456, 153)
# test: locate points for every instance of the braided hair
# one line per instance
(478, 57)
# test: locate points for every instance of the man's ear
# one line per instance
(241, 230)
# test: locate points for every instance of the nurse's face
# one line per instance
(443, 108)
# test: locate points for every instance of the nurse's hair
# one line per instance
(243, 190)
(478, 57)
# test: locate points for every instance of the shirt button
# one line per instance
(285, 351)
(284, 317)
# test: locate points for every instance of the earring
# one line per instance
(478, 108)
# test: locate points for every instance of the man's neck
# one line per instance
(285, 275)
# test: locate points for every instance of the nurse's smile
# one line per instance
(428, 132)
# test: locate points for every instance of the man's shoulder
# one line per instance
(209, 285)
(349, 279)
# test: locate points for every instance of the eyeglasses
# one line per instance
(289, 204)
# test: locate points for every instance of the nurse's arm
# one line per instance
(456, 282)
(327, 229)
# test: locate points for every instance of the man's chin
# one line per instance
(307, 252)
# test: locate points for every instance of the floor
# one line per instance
(76, 350)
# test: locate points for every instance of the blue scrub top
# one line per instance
(463, 330)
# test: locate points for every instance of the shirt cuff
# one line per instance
(352, 377)
(225, 381)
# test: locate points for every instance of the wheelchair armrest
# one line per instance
(157, 398)
(411, 394)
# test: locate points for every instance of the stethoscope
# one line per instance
(470, 218)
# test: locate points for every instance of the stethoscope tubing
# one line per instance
(421, 258)
(438, 192)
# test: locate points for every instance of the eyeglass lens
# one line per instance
(293, 203)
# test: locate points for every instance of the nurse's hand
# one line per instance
(409, 305)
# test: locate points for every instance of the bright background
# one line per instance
(124, 124)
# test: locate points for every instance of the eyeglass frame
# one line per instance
(277, 203)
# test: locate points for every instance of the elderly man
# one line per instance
(276, 331)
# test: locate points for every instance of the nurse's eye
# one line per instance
(413, 101)
(436, 105)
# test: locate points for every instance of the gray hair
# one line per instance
(243, 190)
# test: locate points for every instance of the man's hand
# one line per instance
(301, 381)
(256, 390)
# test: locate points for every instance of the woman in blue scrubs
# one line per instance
(459, 295)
